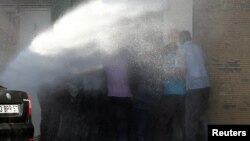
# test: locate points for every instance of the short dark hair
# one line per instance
(185, 36)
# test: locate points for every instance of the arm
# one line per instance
(180, 61)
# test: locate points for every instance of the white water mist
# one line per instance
(83, 37)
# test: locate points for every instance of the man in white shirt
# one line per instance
(197, 85)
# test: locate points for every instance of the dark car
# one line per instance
(15, 116)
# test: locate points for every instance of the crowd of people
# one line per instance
(154, 96)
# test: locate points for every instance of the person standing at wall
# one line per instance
(197, 84)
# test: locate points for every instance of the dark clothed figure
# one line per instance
(84, 116)
(146, 86)
(53, 98)
(45, 104)
(196, 120)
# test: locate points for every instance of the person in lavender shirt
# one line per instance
(119, 94)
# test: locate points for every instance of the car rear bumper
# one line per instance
(17, 129)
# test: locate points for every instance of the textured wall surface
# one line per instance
(222, 28)
(9, 27)
(25, 2)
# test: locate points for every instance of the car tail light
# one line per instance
(30, 139)
(29, 107)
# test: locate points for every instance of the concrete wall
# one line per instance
(32, 3)
(9, 27)
(32, 22)
(178, 14)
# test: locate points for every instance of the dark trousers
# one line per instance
(196, 102)
(144, 121)
(45, 119)
(171, 108)
(145, 113)
(120, 109)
